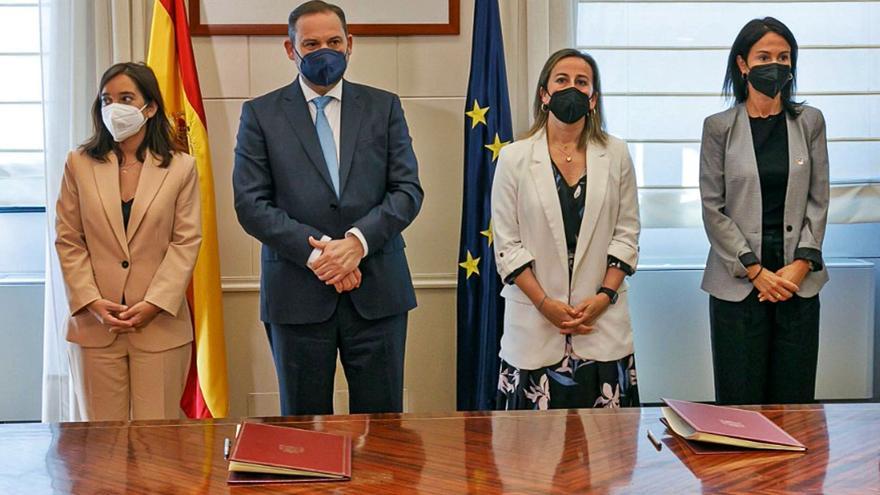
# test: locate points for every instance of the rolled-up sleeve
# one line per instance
(816, 215)
(625, 240)
(510, 255)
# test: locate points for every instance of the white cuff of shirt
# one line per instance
(317, 252)
(360, 235)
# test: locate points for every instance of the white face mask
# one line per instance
(123, 121)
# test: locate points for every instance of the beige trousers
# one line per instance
(121, 382)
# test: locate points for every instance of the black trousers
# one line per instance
(763, 352)
(371, 352)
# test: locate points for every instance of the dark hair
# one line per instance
(159, 138)
(595, 128)
(735, 85)
(313, 7)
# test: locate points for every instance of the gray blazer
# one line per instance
(731, 194)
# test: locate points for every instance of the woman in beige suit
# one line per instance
(128, 234)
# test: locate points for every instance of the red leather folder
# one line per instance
(277, 454)
(727, 426)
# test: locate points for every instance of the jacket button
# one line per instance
(333, 206)
(501, 255)
(124, 264)
(788, 228)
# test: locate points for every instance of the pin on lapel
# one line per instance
(799, 161)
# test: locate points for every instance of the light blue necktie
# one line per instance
(328, 144)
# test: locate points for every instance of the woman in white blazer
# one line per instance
(566, 225)
(765, 194)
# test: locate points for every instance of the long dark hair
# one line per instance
(594, 128)
(735, 85)
(159, 138)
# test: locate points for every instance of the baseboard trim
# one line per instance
(421, 281)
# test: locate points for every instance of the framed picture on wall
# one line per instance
(364, 17)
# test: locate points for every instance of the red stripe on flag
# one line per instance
(192, 401)
(186, 60)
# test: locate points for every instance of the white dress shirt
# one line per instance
(333, 112)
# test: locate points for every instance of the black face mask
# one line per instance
(569, 105)
(770, 78)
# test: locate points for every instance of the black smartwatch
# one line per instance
(611, 293)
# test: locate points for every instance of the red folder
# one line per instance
(727, 426)
(276, 454)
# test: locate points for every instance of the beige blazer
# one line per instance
(152, 260)
(527, 223)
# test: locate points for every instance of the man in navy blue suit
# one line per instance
(326, 178)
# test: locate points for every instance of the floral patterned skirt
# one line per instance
(574, 382)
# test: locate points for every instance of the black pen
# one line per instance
(653, 439)
(226, 444)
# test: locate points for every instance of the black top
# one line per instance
(770, 137)
(126, 212)
(572, 200)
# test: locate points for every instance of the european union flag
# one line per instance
(487, 129)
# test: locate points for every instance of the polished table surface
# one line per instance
(567, 451)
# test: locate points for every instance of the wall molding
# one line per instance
(421, 281)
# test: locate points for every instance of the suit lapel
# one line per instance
(742, 140)
(350, 124)
(296, 111)
(598, 167)
(152, 177)
(542, 175)
(107, 183)
(798, 176)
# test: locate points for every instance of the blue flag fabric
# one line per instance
(487, 129)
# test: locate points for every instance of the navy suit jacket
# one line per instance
(283, 195)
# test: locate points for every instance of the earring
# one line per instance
(745, 76)
(543, 107)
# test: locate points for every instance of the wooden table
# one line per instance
(572, 451)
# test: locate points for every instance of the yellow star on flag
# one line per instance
(496, 147)
(488, 233)
(477, 115)
(471, 265)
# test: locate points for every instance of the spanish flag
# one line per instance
(171, 57)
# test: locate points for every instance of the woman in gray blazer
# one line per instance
(764, 188)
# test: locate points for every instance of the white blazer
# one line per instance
(528, 228)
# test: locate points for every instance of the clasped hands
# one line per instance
(121, 318)
(338, 263)
(780, 285)
(574, 320)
